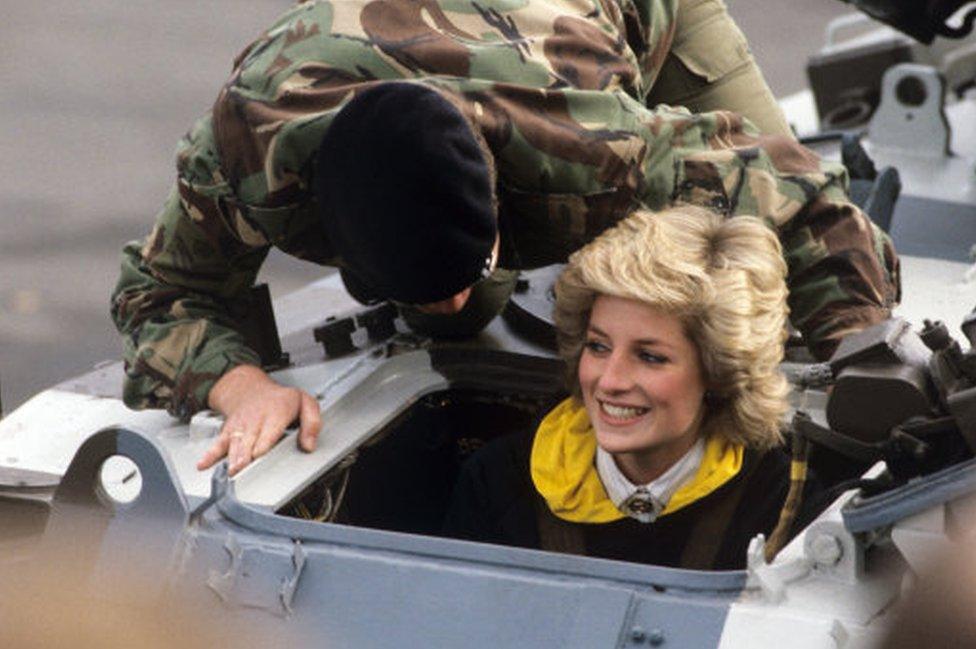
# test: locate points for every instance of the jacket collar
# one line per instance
(563, 467)
(645, 502)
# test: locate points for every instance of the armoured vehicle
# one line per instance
(103, 511)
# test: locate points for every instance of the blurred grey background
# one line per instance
(94, 96)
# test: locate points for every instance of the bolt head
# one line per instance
(656, 637)
(637, 634)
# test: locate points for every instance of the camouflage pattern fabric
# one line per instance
(710, 67)
(555, 87)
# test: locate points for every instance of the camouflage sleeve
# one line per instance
(710, 67)
(181, 290)
(842, 269)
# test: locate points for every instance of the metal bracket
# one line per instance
(343, 335)
(834, 551)
(911, 116)
(260, 576)
(108, 543)
(772, 578)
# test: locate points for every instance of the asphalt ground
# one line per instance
(94, 96)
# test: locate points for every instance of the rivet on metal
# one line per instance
(637, 634)
(656, 637)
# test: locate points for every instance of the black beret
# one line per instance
(406, 195)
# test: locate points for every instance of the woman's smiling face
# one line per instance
(642, 385)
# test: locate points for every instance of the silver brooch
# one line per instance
(642, 506)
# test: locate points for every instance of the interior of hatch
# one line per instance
(403, 479)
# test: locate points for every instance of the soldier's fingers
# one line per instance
(241, 442)
(311, 423)
(271, 431)
(214, 453)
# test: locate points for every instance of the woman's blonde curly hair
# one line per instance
(723, 278)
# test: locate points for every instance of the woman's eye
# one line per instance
(595, 347)
(648, 357)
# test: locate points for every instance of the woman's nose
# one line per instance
(615, 375)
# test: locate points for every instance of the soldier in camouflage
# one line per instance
(558, 92)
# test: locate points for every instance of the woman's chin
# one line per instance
(614, 442)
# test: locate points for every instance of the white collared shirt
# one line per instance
(646, 502)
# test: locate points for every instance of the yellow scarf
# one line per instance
(564, 471)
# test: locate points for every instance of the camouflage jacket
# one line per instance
(557, 89)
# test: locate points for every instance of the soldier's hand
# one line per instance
(256, 412)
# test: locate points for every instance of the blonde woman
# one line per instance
(672, 326)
